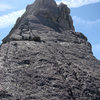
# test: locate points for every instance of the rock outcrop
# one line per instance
(42, 15)
(43, 58)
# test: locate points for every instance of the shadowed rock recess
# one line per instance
(43, 58)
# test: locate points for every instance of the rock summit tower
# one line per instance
(43, 58)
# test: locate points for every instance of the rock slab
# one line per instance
(43, 58)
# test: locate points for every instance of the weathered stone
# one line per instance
(43, 58)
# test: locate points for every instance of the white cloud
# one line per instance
(78, 3)
(4, 7)
(10, 19)
(82, 21)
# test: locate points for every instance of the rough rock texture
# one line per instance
(43, 58)
(42, 15)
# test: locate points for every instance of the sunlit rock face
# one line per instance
(43, 58)
(41, 15)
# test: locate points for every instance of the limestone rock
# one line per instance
(40, 15)
(43, 58)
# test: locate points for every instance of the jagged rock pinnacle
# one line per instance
(42, 13)
(49, 5)
(45, 4)
(43, 58)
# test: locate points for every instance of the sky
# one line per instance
(85, 14)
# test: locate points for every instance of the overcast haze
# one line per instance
(85, 14)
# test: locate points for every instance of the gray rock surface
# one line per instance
(43, 58)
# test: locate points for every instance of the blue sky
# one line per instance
(85, 14)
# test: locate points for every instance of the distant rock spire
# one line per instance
(45, 3)
(49, 5)
(40, 14)
(43, 58)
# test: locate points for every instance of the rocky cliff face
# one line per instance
(43, 58)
